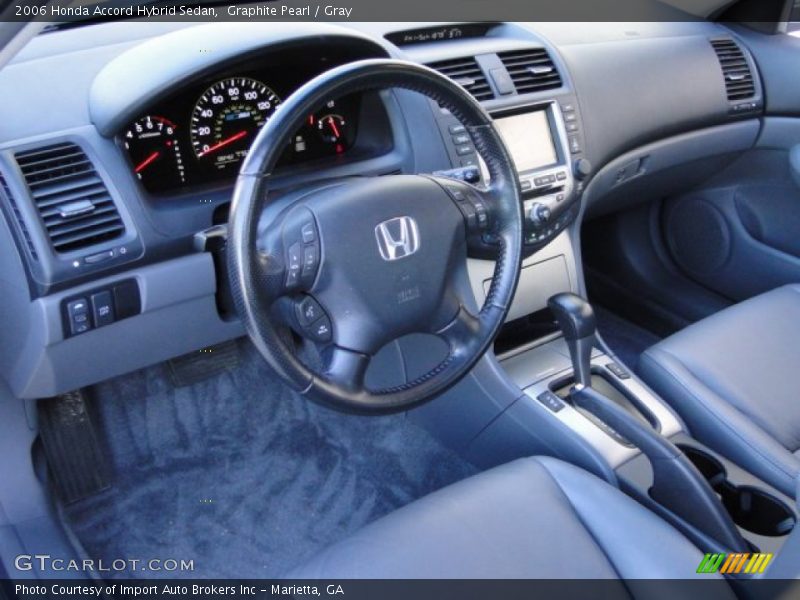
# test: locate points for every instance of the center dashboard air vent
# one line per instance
(531, 70)
(739, 83)
(467, 73)
(70, 197)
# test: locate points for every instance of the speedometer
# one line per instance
(227, 117)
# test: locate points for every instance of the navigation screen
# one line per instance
(528, 139)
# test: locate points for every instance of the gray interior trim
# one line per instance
(660, 169)
(179, 315)
(614, 453)
(547, 272)
(28, 521)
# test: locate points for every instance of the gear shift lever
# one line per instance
(677, 485)
(576, 320)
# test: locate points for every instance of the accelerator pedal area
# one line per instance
(76, 460)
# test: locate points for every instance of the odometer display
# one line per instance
(227, 117)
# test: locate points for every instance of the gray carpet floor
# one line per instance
(241, 475)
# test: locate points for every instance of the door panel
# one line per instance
(740, 234)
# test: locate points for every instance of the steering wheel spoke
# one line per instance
(347, 369)
(478, 205)
(461, 333)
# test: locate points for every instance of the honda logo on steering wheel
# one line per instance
(397, 238)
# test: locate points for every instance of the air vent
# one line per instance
(739, 83)
(466, 73)
(531, 70)
(71, 198)
(23, 229)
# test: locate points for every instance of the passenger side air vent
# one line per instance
(14, 208)
(71, 198)
(466, 73)
(531, 70)
(739, 83)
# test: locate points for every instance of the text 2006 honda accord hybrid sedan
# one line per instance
(428, 300)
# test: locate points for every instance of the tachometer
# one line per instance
(227, 117)
(155, 151)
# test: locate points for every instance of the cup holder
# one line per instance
(750, 508)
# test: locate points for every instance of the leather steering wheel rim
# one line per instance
(258, 275)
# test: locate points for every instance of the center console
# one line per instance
(545, 391)
(536, 136)
(646, 448)
(545, 143)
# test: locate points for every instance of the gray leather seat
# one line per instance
(532, 518)
(735, 379)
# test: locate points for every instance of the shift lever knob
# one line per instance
(576, 320)
(575, 315)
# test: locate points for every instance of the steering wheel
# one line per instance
(356, 263)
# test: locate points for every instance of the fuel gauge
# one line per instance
(332, 129)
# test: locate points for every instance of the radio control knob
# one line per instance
(582, 168)
(540, 214)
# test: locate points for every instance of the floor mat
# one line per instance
(242, 476)
(626, 340)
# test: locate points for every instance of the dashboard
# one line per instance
(155, 119)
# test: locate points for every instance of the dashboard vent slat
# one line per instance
(23, 228)
(467, 73)
(739, 84)
(531, 70)
(58, 177)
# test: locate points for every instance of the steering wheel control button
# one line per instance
(471, 206)
(313, 320)
(551, 401)
(102, 308)
(78, 312)
(469, 173)
(308, 311)
(310, 260)
(464, 149)
(294, 265)
(320, 330)
(483, 216)
(457, 193)
(309, 233)
(292, 279)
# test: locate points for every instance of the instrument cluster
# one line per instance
(201, 135)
